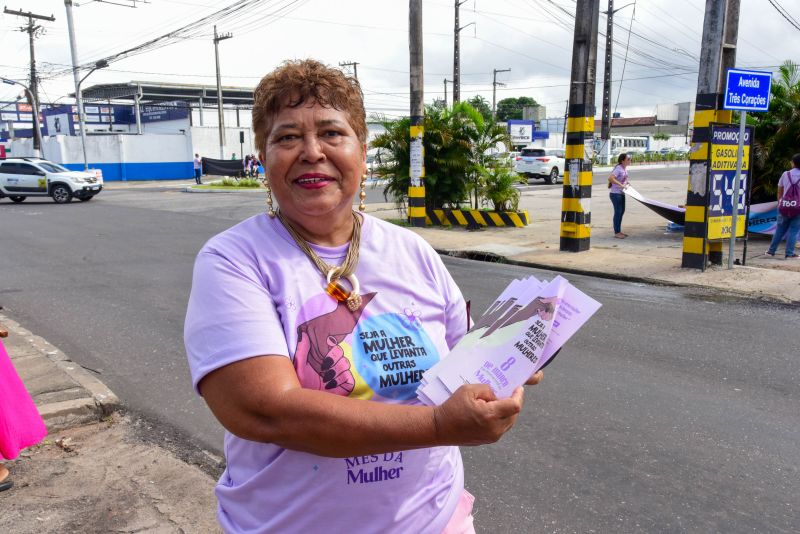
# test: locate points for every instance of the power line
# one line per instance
(784, 14)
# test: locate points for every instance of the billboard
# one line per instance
(722, 160)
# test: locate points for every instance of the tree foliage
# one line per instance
(456, 142)
(511, 108)
(480, 104)
(777, 133)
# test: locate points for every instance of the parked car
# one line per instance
(377, 158)
(21, 178)
(547, 163)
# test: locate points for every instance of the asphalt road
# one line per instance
(671, 411)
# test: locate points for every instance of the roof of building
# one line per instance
(627, 121)
(156, 92)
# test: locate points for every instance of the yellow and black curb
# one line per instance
(455, 217)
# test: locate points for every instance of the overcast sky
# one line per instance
(531, 37)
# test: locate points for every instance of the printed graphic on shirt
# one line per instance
(319, 346)
(358, 355)
(374, 468)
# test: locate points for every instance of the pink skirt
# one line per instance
(20, 423)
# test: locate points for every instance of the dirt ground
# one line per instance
(106, 477)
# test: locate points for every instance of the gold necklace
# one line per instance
(334, 273)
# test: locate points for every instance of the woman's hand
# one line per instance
(535, 378)
(474, 416)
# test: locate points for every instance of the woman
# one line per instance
(298, 339)
(618, 182)
(788, 227)
(20, 423)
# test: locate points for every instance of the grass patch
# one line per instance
(231, 183)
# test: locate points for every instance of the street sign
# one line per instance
(722, 163)
(747, 90)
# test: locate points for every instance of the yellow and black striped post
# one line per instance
(717, 53)
(416, 186)
(696, 247)
(576, 215)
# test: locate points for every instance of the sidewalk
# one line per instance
(651, 253)
(96, 471)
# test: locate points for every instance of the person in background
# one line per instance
(198, 169)
(246, 166)
(618, 182)
(787, 226)
(20, 423)
(298, 341)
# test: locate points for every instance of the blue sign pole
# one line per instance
(745, 90)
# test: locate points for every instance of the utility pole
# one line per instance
(717, 53)
(576, 216)
(495, 83)
(445, 92)
(353, 64)
(217, 39)
(605, 129)
(416, 185)
(33, 30)
(457, 54)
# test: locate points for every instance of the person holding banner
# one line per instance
(618, 182)
(788, 225)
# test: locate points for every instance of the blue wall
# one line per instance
(112, 172)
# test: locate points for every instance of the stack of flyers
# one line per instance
(516, 336)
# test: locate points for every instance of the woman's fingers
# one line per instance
(474, 416)
(535, 378)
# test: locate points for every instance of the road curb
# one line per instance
(99, 400)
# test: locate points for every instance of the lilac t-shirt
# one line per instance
(621, 175)
(255, 292)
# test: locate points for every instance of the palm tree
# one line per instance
(455, 142)
(777, 132)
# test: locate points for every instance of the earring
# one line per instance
(363, 194)
(271, 208)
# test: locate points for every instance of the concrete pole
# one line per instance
(73, 47)
(605, 132)
(495, 83)
(217, 39)
(576, 214)
(416, 187)
(696, 247)
(456, 58)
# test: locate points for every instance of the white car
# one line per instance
(21, 178)
(547, 163)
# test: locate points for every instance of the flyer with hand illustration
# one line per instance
(516, 336)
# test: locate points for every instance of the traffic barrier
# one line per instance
(457, 217)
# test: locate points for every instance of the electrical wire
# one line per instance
(619, 90)
(785, 14)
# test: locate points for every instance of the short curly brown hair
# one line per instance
(299, 81)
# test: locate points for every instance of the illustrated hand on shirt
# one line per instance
(319, 346)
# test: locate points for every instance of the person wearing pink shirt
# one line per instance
(618, 182)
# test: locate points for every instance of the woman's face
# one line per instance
(314, 161)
